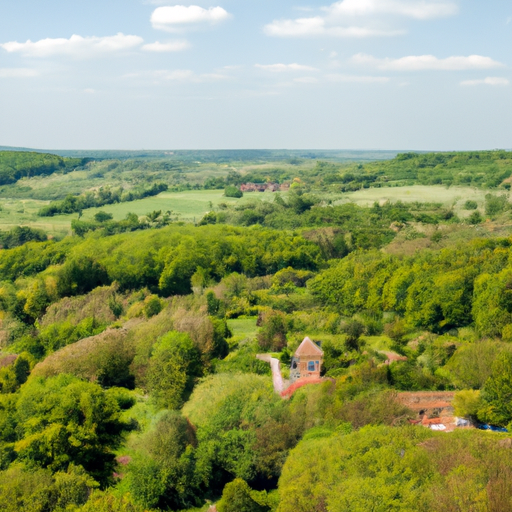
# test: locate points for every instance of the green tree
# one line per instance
(174, 367)
(497, 393)
(63, 421)
(236, 497)
(102, 216)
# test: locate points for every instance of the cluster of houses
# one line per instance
(262, 187)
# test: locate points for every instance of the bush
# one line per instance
(470, 205)
(232, 191)
(273, 329)
(475, 218)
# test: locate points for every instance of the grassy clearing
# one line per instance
(189, 206)
(243, 328)
(422, 193)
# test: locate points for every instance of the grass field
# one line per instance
(190, 206)
(243, 328)
(420, 193)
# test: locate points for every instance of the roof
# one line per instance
(308, 348)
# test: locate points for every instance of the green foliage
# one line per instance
(273, 329)
(236, 497)
(62, 421)
(15, 374)
(467, 403)
(470, 205)
(163, 473)
(152, 306)
(103, 216)
(20, 235)
(174, 366)
(353, 330)
(102, 197)
(475, 218)
(494, 205)
(497, 393)
(26, 490)
(15, 165)
(470, 366)
(232, 191)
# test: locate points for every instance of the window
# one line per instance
(311, 366)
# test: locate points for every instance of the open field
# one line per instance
(189, 206)
(420, 193)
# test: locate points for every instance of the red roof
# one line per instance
(309, 348)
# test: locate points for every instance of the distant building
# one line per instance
(307, 361)
(262, 187)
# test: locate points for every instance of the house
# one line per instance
(307, 361)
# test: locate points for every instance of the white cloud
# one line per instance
(318, 26)
(75, 46)
(340, 19)
(174, 46)
(428, 62)
(177, 75)
(174, 17)
(417, 9)
(358, 79)
(17, 73)
(284, 67)
(491, 80)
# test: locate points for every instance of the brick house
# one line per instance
(307, 361)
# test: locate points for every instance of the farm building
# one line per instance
(307, 361)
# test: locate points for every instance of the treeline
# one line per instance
(164, 260)
(15, 165)
(95, 199)
(483, 169)
(437, 291)
(20, 235)
(357, 227)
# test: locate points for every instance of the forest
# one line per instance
(128, 371)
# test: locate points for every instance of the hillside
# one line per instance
(128, 371)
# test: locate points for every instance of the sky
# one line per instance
(241, 74)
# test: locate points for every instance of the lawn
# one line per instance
(243, 328)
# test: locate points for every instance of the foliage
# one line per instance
(26, 490)
(174, 366)
(62, 421)
(497, 393)
(272, 333)
(15, 165)
(236, 497)
(162, 474)
(102, 197)
(232, 191)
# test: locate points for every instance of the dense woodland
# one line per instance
(128, 376)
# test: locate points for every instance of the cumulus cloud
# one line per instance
(176, 17)
(421, 10)
(490, 80)
(358, 79)
(360, 18)
(319, 26)
(284, 67)
(75, 46)
(174, 46)
(428, 62)
(17, 73)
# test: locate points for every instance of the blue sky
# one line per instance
(352, 74)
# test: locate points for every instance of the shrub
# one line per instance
(232, 191)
